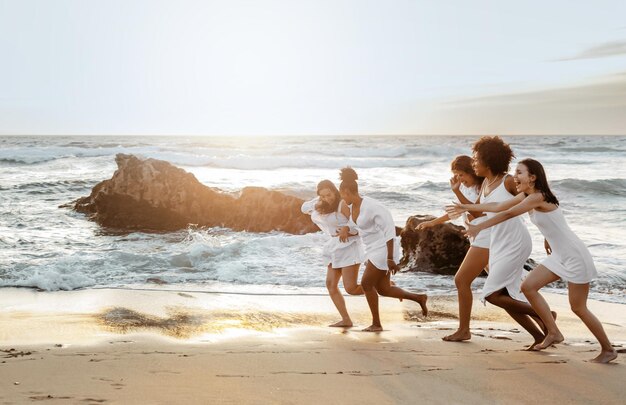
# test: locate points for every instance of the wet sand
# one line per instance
(120, 346)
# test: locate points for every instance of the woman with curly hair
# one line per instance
(377, 230)
(466, 186)
(568, 257)
(510, 243)
(343, 259)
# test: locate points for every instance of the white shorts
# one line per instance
(483, 238)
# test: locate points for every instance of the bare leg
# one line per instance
(498, 298)
(332, 282)
(385, 288)
(578, 302)
(503, 300)
(537, 279)
(370, 279)
(473, 264)
(350, 275)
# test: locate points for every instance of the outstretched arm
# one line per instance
(428, 224)
(458, 209)
(527, 204)
(455, 185)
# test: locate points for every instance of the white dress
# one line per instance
(482, 239)
(375, 226)
(336, 253)
(570, 258)
(509, 249)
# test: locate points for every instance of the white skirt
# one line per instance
(340, 255)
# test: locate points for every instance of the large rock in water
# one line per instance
(150, 194)
(439, 249)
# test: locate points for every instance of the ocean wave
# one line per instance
(37, 155)
(602, 186)
(46, 187)
(592, 149)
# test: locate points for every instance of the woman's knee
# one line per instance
(383, 290)
(352, 289)
(578, 309)
(462, 282)
(528, 288)
(331, 285)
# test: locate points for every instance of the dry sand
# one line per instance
(120, 346)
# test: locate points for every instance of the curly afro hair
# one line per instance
(494, 153)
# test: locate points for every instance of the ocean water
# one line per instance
(51, 248)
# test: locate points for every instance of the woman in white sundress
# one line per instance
(377, 230)
(342, 259)
(510, 243)
(568, 257)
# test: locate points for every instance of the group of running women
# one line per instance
(361, 230)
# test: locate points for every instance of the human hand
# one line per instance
(424, 225)
(472, 231)
(455, 210)
(455, 183)
(343, 233)
(393, 267)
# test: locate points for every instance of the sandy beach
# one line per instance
(122, 346)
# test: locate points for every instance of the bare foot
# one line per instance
(458, 336)
(605, 357)
(533, 347)
(373, 328)
(550, 339)
(341, 324)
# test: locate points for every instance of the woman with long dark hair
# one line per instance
(568, 257)
(466, 186)
(377, 230)
(342, 259)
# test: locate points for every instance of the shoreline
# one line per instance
(123, 346)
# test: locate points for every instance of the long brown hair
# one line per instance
(463, 163)
(541, 180)
(324, 207)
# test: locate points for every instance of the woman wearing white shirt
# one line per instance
(377, 230)
(466, 185)
(342, 258)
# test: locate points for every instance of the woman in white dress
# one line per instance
(510, 243)
(466, 186)
(342, 259)
(377, 230)
(568, 257)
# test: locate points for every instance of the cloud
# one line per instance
(594, 107)
(600, 51)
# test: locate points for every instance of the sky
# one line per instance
(312, 67)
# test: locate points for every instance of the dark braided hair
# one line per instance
(348, 180)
